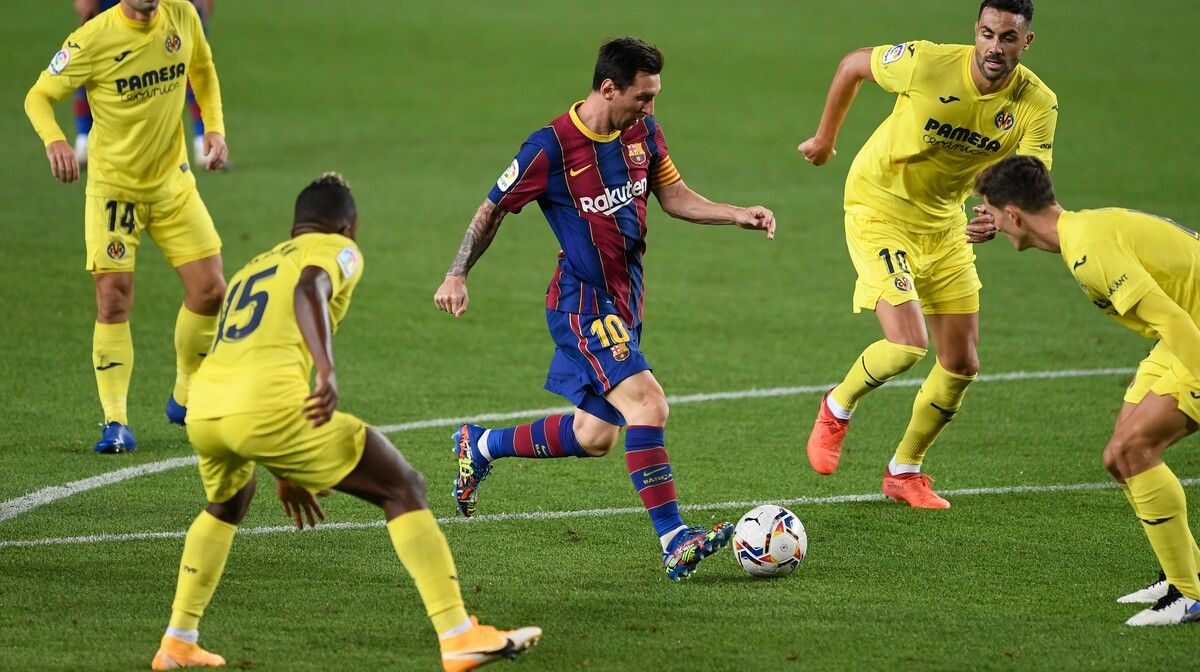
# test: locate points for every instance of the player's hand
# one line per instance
(758, 218)
(817, 151)
(452, 295)
(215, 150)
(323, 401)
(63, 164)
(299, 504)
(982, 228)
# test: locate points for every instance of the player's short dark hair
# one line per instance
(1023, 181)
(623, 58)
(1022, 7)
(326, 201)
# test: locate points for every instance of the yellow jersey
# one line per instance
(259, 360)
(1118, 256)
(136, 76)
(920, 164)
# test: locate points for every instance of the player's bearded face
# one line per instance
(1000, 39)
(631, 104)
(142, 5)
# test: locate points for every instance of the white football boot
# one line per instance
(1174, 608)
(1148, 595)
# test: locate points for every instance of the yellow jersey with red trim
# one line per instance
(259, 360)
(919, 165)
(136, 75)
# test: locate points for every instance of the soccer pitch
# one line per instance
(422, 105)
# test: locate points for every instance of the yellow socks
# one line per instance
(937, 401)
(112, 356)
(1162, 507)
(204, 553)
(193, 337)
(423, 550)
(879, 363)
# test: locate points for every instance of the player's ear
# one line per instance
(1028, 39)
(608, 89)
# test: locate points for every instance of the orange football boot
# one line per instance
(174, 653)
(483, 644)
(825, 441)
(915, 489)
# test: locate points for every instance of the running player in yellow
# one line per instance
(958, 109)
(135, 61)
(1144, 272)
(251, 403)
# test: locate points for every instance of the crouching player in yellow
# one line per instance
(250, 403)
(1143, 271)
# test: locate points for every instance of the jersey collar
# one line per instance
(592, 135)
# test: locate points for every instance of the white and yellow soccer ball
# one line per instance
(769, 541)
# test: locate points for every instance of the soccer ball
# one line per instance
(769, 541)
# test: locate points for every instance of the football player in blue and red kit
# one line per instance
(591, 170)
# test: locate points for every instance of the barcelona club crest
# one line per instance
(1005, 120)
(620, 352)
(172, 43)
(636, 153)
(116, 250)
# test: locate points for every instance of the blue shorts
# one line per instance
(593, 354)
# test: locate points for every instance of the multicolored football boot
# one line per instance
(472, 468)
(692, 545)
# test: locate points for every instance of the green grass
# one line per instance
(422, 105)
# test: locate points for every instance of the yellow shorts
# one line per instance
(1163, 374)
(180, 226)
(282, 441)
(896, 265)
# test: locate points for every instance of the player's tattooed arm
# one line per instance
(452, 295)
(479, 236)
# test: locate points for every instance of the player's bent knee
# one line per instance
(234, 509)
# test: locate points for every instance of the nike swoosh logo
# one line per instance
(1157, 521)
(654, 472)
(1079, 263)
(576, 171)
(108, 366)
(949, 99)
(120, 58)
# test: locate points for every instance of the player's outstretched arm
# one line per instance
(311, 303)
(854, 68)
(451, 296)
(680, 202)
(1174, 326)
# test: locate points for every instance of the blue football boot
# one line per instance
(117, 438)
(176, 413)
(472, 468)
(692, 545)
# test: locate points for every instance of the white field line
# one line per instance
(587, 513)
(15, 507)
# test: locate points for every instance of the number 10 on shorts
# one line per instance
(610, 330)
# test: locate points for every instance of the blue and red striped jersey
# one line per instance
(592, 189)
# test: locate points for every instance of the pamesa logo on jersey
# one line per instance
(613, 200)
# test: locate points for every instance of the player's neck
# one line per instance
(1045, 228)
(136, 15)
(593, 112)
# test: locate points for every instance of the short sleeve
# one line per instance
(341, 259)
(525, 179)
(662, 169)
(1111, 275)
(893, 66)
(1038, 140)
